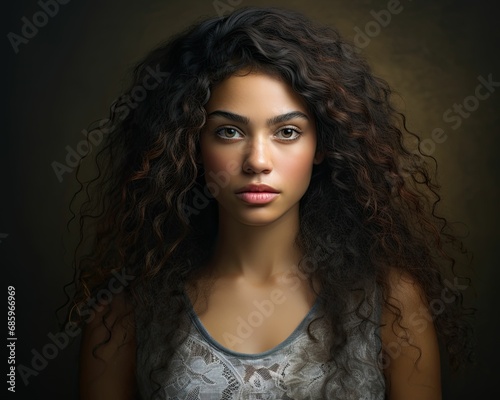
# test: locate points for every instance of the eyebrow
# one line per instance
(271, 121)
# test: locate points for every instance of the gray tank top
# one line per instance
(295, 369)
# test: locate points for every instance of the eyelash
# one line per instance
(223, 128)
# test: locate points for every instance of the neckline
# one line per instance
(206, 335)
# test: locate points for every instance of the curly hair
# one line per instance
(373, 197)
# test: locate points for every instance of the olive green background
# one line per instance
(67, 75)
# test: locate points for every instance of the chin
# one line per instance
(260, 217)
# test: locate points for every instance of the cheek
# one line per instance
(219, 161)
(219, 165)
(297, 168)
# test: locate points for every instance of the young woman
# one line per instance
(260, 229)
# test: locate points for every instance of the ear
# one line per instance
(319, 157)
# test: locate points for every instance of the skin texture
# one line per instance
(255, 243)
(255, 240)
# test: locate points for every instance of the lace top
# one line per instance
(295, 369)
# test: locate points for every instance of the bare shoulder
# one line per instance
(107, 353)
(409, 341)
(405, 290)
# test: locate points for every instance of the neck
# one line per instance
(256, 254)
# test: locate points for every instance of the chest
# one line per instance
(250, 320)
(259, 321)
(296, 369)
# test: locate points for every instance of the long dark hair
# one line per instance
(146, 213)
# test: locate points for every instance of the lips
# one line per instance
(257, 194)
(257, 188)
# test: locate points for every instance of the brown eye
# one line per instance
(227, 133)
(289, 134)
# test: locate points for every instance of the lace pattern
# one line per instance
(202, 369)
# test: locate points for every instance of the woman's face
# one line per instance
(258, 132)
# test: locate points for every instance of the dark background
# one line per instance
(67, 75)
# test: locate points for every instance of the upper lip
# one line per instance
(257, 187)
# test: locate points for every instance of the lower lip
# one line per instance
(257, 197)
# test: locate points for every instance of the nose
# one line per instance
(257, 156)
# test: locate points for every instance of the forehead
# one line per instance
(255, 88)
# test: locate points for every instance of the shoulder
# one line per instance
(111, 323)
(107, 352)
(409, 341)
(404, 290)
